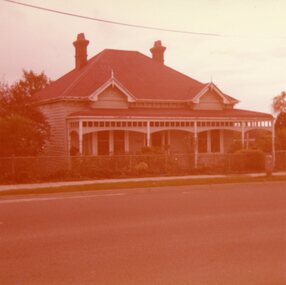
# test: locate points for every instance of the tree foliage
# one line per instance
(23, 128)
(280, 131)
(20, 136)
(279, 103)
(279, 106)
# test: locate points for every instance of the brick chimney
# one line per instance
(80, 51)
(158, 52)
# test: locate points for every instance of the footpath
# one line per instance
(110, 182)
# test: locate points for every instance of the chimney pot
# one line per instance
(158, 52)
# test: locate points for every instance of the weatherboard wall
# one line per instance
(210, 101)
(56, 114)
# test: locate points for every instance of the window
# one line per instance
(202, 142)
(215, 141)
(103, 142)
(118, 142)
(156, 139)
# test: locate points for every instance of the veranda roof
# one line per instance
(172, 113)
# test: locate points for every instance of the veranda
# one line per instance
(110, 136)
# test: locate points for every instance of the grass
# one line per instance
(143, 184)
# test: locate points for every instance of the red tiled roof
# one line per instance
(172, 113)
(142, 76)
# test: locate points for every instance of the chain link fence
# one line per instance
(52, 168)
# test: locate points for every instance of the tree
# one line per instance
(279, 103)
(19, 97)
(20, 136)
(23, 128)
(280, 131)
(279, 106)
(4, 97)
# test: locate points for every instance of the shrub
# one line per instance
(250, 160)
(151, 150)
(141, 168)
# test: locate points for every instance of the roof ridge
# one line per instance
(120, 50)
(170, 68)
(90, 62)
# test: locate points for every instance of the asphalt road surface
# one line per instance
(215, 234)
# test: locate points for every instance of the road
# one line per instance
(214, 234)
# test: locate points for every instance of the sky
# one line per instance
(246, 61)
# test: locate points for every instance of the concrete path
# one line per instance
(105, 181)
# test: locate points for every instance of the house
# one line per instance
(119, 101)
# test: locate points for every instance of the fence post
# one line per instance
(214, 161)
(166, 162)
(130, 164)
(13, 167)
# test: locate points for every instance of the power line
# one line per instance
(114, 22)
(139, 26)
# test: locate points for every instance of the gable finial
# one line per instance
(112, 78)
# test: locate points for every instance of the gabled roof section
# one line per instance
(113, 82)
(144, 78)
(212, 87)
